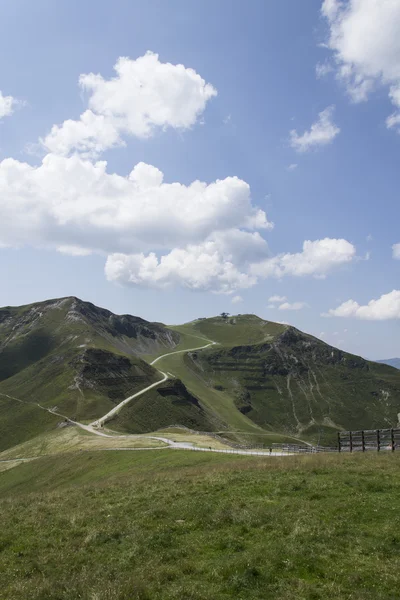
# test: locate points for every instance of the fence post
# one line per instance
(338, 439)
(392, 438)
(378, 440)
(351, 441)
(363, 441)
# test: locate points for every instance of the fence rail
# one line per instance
(348, 441)
(369, 439)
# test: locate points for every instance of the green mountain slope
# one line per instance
(283, 380)
(167, 404)
(259, 378)
(74, 356)
(233, 331)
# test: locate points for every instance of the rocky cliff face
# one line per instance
(73, 319)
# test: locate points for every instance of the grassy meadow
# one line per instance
(197, 526)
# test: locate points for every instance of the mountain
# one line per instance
(392, 362)
(283, 380)
(258, 381)
(72, 356)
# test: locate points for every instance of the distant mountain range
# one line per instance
(259, 379)
(392, 362)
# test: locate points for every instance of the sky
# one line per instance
(174, 160)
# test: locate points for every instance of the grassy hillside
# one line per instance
(168, 524)
(233, 331)
(167, 404)
(74, 356)
(259, 381)
(296, 383)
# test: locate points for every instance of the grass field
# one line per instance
(217, 402)
(180, 525)
(233, 331)
(71, 439)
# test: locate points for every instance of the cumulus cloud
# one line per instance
(7, 104)
(317, 259)
(237, 299)
(69, 201)
(217, 265)
(396, 251)
(292, 306)
(292, 167)
(321, 133)
(204, 232)
(145, 95)
(202, 236)
(385, 307)
(197, 267)
(364, 38)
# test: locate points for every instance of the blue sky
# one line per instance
(261, 60)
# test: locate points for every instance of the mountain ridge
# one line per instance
(392, 362)
(259, 377)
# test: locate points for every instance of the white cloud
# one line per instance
(74, 251)
(74, 202)
(322, 132)
(7, 104)
(292, 167)
(145, 95)
(200, 236)
(237, 299)
(292, 306)
(91, 135)
(75, 206)
(322, 335)
(330, 8)
(364, 38)
(323, 69)
(317, 259)
(277, 299)
(396, 251)
(203, 236)
(385, 307)
(197, 267)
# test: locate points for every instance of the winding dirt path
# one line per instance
(100, 422)
(94, 427)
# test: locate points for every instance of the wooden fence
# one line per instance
(370, 439)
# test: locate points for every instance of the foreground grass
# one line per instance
(172, 524)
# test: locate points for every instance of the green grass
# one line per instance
(296, 385)
(169, 524)
(167, 404)
(188, 340)
(20, 422)
(218, 404)
(72, 355)
(71, 439)
(233, 331)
